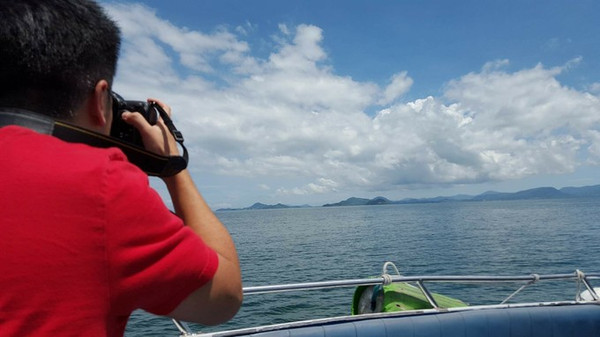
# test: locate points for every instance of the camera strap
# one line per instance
(151, 163)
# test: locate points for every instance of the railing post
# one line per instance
(427, 294)
(581, 277)
(183, 328)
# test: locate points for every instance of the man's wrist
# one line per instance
(177, 178)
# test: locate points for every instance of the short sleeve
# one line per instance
(154, 261)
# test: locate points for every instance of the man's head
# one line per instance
(54, 53)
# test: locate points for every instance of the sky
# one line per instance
(313, 102)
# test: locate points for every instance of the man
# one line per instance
(84, 240)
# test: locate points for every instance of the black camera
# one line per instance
(123, 131)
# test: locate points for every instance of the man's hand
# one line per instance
(156, 138)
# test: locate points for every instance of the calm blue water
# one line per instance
(480, 238)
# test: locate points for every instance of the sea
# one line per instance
(520, 237)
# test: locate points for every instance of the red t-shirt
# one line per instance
(84, 240)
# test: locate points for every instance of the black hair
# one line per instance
(53, 52)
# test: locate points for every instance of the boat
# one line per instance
(428, 314)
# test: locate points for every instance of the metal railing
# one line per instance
(385, 279)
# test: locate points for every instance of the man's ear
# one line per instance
(99, 105)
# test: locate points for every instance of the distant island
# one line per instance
(259, 205)
(534, 193)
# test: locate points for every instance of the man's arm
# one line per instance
(219, 299)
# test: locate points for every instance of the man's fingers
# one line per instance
(135, 119)
(156, 138)
(162, 105)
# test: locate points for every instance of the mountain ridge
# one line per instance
(528, 194)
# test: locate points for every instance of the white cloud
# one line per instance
(595, 88)
(399, 85)
(322, 185)
(284, 29)
(526, 122)
(146, 35)
(245, 29)
(594, 147)
(290, 115)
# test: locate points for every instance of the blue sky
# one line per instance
(310, 102)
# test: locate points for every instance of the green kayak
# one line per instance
(396, 297)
